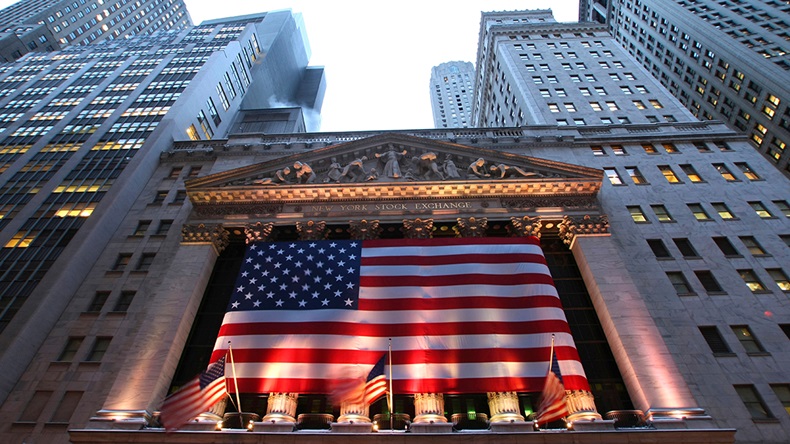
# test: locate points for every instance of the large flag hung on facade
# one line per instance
(466, 315)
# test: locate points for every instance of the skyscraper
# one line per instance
(83, 129)
(46, 25)
(723, 60)
(452, 84)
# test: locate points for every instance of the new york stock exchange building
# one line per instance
(267, 251)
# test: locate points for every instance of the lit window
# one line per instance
(636, 175)
(698, 211)
(750, 278)
(722, 210)
(192, 132)
(656, 104)
(670, 148)
(691, 173)
(747, 171)
(754, 247)
(596, 106)
(639, 105)
(637, 214)
(614, 178)
(649, 148)
(761, 210)
(725, 172)
(779, 277)
(612, 106)
(661, 213)
(669, 175)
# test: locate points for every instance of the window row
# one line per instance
(723, 243)
(701, 214)
(669, 147)
(144, 225)
(691, 173)
(124, 260)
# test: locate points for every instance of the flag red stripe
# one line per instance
(455, 259)
(459, 302)
(369, 357)
(395, 330)
(441, 242)
(461, 279)
(428, 385)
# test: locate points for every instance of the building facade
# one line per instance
(45, 25)
(82, 132)
(452, 84)
(722, 60)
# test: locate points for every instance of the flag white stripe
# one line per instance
(397, 316)
(454, 269)
(449, 291)
(450, 250)
(401, 343)
(297, 370)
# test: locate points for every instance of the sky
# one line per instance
(378, 54)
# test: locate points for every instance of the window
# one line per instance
(612, 106)
(747, 339)
(626, 90)
(779, 277)
(145, 261)
(181, 196)
(760, 209)
(669, 175)
(661, 213)
(782, 392)
(545, 93)
(192, 133)
(637, 214)
(725, 172)
(66, 407)
(679, 282)
(659, 249)
(709, 283)
(164, 227)
(121, 261)
(553, 107)
(212, 111)
(752, 401)
(635, 175)
(698, 211)
(98, 350)
(691, 173)
(715, 341)
(670, 148)
(70, 349)
(579, 121)
(596, 106)
(649, 148)
(194, 172)
(35, 406)
(98, 301)
(755, 249)
(726, 246)
(160, 197)
(783, 206)
(600, 90)
(747, 171)
(222, 97)
(614, 178)
(685, 247)
(598, 151)
(723, 210)
(639, 105)
(701, 147)
(570, 107)
(786, 329)
(618, 150)
(561, 92)
(175, 172)
(142, 227)
(123, 302)
(656, 104)
(585, 91)
(750, 278)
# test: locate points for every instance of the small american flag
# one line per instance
(376, 383)
(194, 398)
(552, 402)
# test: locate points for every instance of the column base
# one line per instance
(593, 425)
(513, 427)
(352, 427)
(120, 419)
(278, 417)
(273, 427)
(205, 422)
(431, 427)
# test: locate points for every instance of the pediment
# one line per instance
(393, 166)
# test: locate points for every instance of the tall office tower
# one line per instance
(686, 191)
(47, 25)
(452, 84)
(82, 131)
(723, 60)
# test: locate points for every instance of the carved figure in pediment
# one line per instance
(477, 169)
(503, 171)
(450, 170)
(280, 176)
(304, 173)
(391, 161)
(424, 167)
(335, 170)
(372, 175)
(355, 170)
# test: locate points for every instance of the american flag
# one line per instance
(465, 315)
(196, 397)
(552, 405)
(376, 382)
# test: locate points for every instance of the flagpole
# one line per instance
(236, 384)
(551, 358)
(390, 401)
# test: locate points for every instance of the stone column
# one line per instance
(281, 407)
(653, 380)
(354, 412)
(504, 407)
(142, 381)
(429, 408)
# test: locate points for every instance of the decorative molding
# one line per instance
(570, 227)
(525, 226)
(471, 227)
(216, 235)
(258, 231)
(312, 230)
(418, 228)
(364, 229)
(225, 208)
(571, 202)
